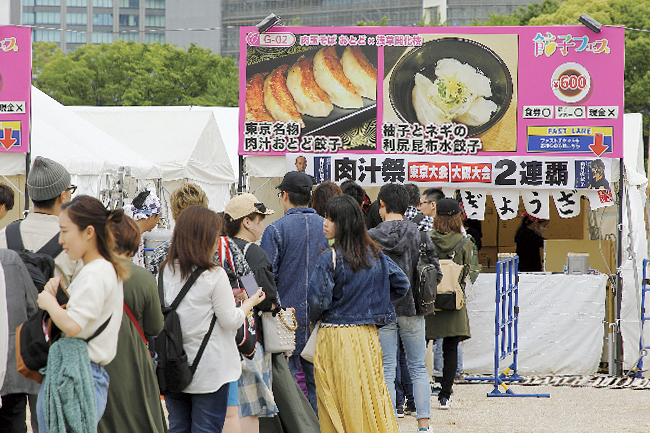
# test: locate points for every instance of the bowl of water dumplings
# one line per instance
(451, 80)
(325, 90)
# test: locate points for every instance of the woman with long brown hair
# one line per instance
(201, 406)
(451, 325)
(350, 292)
(93, 313)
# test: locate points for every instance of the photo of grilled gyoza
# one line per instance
(327, 90)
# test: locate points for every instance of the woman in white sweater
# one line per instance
(94, 311)
(202, 405)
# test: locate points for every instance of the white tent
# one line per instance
(186, 144)
(84, 150)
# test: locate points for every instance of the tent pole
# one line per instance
(242, 178)
(618, 340)
(28, 164)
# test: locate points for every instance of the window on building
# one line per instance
(77, 19)
(47, 3)
(28, 2)
(29, 18)
(72, 37)
(154, 21)
(102, 19)
(103, 3)
(154, 37)
(48, 18)
(135, 37)
(77, 3)
(129, 20)
(133, 4)
(154, 4)
(100, 37)
(46, 35)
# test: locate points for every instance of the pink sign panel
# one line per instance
(15, 88)
(491, 91)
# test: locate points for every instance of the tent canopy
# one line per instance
(59, 134)
(186, 145)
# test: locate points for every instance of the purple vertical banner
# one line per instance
(322, 168)
(15, 88)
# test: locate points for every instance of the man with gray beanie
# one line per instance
(48, 185)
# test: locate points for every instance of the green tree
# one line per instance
(127, 73)
(42, 53)
(383, 22)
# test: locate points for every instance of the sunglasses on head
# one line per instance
(260, 207)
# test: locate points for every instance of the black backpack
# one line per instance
(39, 264)
(173, 371)
(425, 288)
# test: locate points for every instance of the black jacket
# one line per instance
(400, 241)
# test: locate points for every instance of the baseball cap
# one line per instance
(296, 181)
(245, 204)
(447, 206)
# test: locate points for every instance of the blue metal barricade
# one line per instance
(644, 317)
(506, 328)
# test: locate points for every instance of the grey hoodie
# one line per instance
(400, 241)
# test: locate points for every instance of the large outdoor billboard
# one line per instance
(508, 91)
(15, 88)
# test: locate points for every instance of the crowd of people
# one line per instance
(334, 261)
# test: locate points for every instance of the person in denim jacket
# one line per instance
(350, 292)
(293, 243)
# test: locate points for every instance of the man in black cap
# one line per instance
(48, 184)
(293, 243)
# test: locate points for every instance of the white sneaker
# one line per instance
(428, 430)
(444, 403)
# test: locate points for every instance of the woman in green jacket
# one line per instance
(451, 325)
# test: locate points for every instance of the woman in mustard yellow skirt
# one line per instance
(350, 293)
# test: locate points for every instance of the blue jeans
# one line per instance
(197, 413)
(437, 356)
(295, 361)
(411, 331)
(403, 384)
(101, 379)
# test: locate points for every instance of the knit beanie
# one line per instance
(47, 179)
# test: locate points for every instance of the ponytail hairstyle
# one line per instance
(85, 211)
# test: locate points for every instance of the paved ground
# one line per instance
(580, 409)
(569, 410)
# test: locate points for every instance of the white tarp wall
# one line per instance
(84, 150)
(635, 246)
(185, 144)
(560, 325)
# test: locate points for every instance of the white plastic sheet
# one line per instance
(560, 324)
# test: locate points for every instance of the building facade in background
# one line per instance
(214, 24)
(71, 23)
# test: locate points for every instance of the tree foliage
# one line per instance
(128, 73)
(383, 22)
